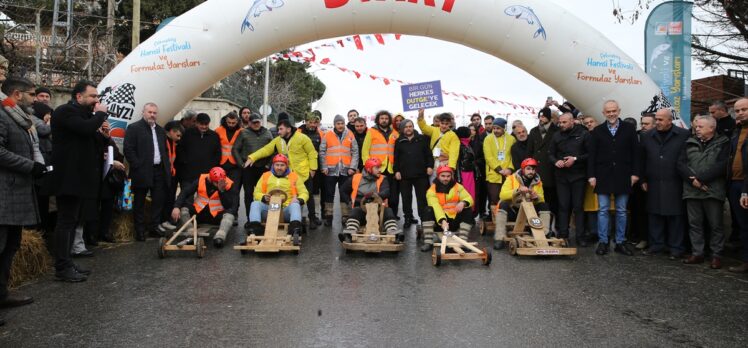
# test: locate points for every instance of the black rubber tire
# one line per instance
(487, 257)
(161, 251)
(436, 257)
(199, 245)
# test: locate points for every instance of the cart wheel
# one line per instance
(161, 245)
(487, 256)
(436, 257)
(200, 246)
(513, 247)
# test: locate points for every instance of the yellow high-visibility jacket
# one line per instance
(301, 154)
(513, 183)
(376, 146)
(449, 143)
(491, 148)
(444, 204)
(291, 184)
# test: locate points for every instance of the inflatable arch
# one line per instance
(219, 37)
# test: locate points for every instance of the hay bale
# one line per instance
(123, 227)
(31, 261)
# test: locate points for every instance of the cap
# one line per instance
(255, 117)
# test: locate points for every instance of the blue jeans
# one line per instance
(258, 212)
(603, 220)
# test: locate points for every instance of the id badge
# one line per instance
(501, 155)
(437, 152)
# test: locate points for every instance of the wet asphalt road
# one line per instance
(324, 297)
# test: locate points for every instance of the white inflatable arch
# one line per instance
(219, 37)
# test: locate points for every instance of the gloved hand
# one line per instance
(38, 170)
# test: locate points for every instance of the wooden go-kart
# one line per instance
(276, 237)
(372, 238)
(535, 242)
(451, 248)
(195, 242)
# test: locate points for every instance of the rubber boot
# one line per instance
(295, 229)
(464, 231)
(500, 220)
(227, 222)
(351, 227)
(390, 227)
(328, 214)
(345, 211)
(428, 236)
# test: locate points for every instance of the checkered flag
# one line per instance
(122, 94)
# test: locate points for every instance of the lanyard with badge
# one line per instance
(502, 154)
(436, 150)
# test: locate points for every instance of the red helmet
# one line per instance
(529, 162)
(371, 163)
(444, 169)
(280, 158)
(217, 174)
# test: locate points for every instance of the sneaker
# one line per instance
(167, 226)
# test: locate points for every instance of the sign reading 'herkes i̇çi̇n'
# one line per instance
(424, 95)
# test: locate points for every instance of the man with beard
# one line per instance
(497, 152)
(537, 147)
(174, 131)
(449, 208)
(380, 144)
(519, 149)
(228, 132)
(568, 151)
(245, 113)
(338, 155)
(76, 173)
(445, 145)
(315, 184)
(250, 140)
(413, 166)
(475, 121)
(352, 116)
(359, 132)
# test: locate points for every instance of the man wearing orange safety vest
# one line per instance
(338, 155)
(380, 144)
(448, 209)
(213, 199)
(228, 132)
(280, 177)
(174, 131)
(361, 188)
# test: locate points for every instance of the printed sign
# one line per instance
(423, 95)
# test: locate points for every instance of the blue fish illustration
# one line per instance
(258, 7)
(527, 14)
(657, 52)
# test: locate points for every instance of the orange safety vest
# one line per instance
(172, 149)
(292, 178)
(213, 202)
(448, 204)
(381, 148)
(338, 151)
(357, 181)
(227, 144)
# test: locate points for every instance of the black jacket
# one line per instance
(197, 153)
(613, 160)
(575, 143)
(139, 151)
(659, 159)
(537, 148)
(480, 161)
(519, 153)
(412, 156)
(75, 158)
(360, 141)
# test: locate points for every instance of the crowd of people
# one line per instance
(667, 188)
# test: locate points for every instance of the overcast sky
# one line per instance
(460, 69)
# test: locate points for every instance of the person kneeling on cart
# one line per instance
(361, 188)
(523, 184)
(211, 191)
(448, 206)
(280, 177)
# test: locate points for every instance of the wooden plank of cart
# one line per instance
(534, 243)
(276, 237)
(194, 243)
(453, 247)
(371, 238)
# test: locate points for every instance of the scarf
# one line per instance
(21, 118)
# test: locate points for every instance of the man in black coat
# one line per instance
(519, 149)
(613, 167)
(150, 168)
(198, 151)
(537, 147)
(663, 184)
(76, 169)
(414, 163)
(568, 151)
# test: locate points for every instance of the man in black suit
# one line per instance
(613, 169)
(77, 173)
(145, 150)
(538, 144)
